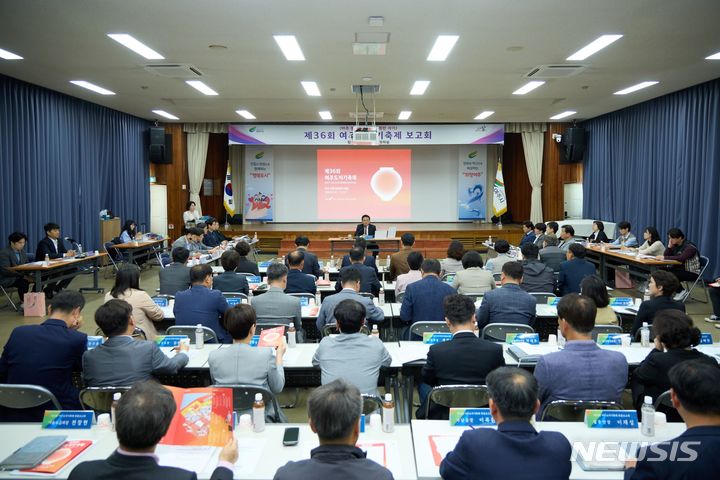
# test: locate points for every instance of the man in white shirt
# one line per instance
(414, 260)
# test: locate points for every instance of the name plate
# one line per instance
(68, 419)
(621, 302)
(706, 339)
(170, 340)
(529, 338)
(611, 338)
(436, 337)
(264, 264)
(94, 341)
(466, 417)
(255, 340)
(553, 301)
(611, 419)
(161, 301)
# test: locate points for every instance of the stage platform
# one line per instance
(432, 237)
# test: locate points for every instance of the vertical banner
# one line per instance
(472, 168)
(259, 185)
(228, 201)
(499, 198)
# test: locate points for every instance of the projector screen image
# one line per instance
(354, 182)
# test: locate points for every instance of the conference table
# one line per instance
(385, 245)
(140, 248)
(640, 266)
(62, 269)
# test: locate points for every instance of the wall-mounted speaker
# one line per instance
(574, 143)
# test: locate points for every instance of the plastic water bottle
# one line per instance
(199, 337)
(326, 276)
(317, 299)
(332, 261)
(255, 237)
(645, 335)
(113, 405)
(250, 297)
(646, 296)
(292, 340)
(382, 296)
(375, 332)
(648, 417)
(388, 414)
(47, 260)
(258, 413)
(79, 249)
(388, 261)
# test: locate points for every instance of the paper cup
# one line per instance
(552, 339)
(103, 421)
(376, 422)
(660, 419)
(245, 423)
(626, 340)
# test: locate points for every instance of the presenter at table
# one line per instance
(365, 228)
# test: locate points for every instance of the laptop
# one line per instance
(392, 231)
(519, 354)
(381, 234)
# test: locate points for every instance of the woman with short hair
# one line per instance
(144, 310)
(453, 262)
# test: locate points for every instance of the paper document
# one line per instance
(249, 453)
(441, 445)
(194, 459)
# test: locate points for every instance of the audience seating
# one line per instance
(209, 334)
(138, 333)
(418, 328)
(496, 332)
(605, 329)
(259, 327)
(7, 291)
(371, 403)
(21, 396)
(244, 397)
(574, 410)
(542, 298)
(331, 329)
(704, 262)
(465, 396)
(99, 399)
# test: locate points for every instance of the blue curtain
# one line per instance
(63, 160)
(658, 163)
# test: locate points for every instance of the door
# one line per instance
(573, 200)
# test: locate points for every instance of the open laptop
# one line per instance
(392, 231)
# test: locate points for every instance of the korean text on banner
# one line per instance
(472, 161)
(259, 184)
(499, 198)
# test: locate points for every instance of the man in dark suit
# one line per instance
(176, 276)
(311, 264)
(574, 270)
(368, 277)
(245, 265)
(365, 229)
(201, 304)
(13, 256)
(695, 393)
(552, 255)
(369, 260)
(230, 280)
(509, 303)
(214, 237)
(539, 234)
(52, 246)
(464, 360)
(122, 360)
(46, 355)
(297, 281)
(529, 233)
(515, 449)
(537, 277)
(142, 417)
(398, 260)
(424, 299)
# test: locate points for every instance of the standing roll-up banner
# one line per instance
(259, 199)
(472, 178)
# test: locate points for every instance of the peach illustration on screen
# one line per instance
(386, 183)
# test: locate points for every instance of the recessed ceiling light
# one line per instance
(165, 114)
(290, 47)
(311, 88)
(4, 54)
(564, 114)
(325, 115)
(245, 114)
(135, 45)
(201, 87)
(635, 88)
(92, 86)
(484, 115)
(419, 87)
(528, 87)
(404, 115)
(715, 56)
(376, 21)
(443, 45)
(593, 47)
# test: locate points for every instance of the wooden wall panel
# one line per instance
(517, 184)
(555, 175)
(215, 168)
(175, 176)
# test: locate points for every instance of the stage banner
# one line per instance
(465, 134)
(472, 168)
(259, 184)
(499, 198)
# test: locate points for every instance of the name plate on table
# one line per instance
(94, 341)
(432, 338)
(170, 340)
(529, 338)
(611, 419)
(161, 301)
(621, 302)
(553, 301)
(611, 338)
(466, 417)
(232, 301)
(264, 264)
(254, 279)
(706, 339)
(71, 419)
(255, 340)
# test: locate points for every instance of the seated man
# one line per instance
(574, 270)
(10, 257)
(334, 413)
(540, 229)
(509, 303)
(230, 280)
(311, 265)
(350, 280)
(244, 264)
(537, 277)
(552, 228)
(695, 393)
(46, 355)
(398, 260)
(351, 355)
(528, 233)
(297, 281)
(582, 370)
(625, 239)
(200, 304)
(567, 237)
(424, 299)
(53, 247)
(175, 277)
(495, 264)
(122, 360)
(142, 417)
(365, 229)
(414, 260)
(369, 282)
(515, 449)
(464, 360)
(552, 255)
(214, 237)
(684, 251)
(276, 303)
(368, 261)
(192, 240)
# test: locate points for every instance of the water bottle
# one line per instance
(326, 276)
(79, 249)
(645, 335)
(317, 299)
(47, 260)
(113, 406)
(292, 341)
(382, 296)
(332, 261)
(388, 261)
(255, 237)
(375, 332)
(258, 413)
(388, 414)
(199, 337)
(250, 297)
(648, 417)
(646, 296)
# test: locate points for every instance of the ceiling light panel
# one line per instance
(201, 87)
(4, 54)
(325, 115)
(135, 45)
(165, 114)
(404, 115)
(442, 48)
(419, 87)
(564, 114)
(484, 115)
(593, 47)
(635, 88)
(311, 88)
(715, 56)
(290, 47)
(245, 114)
(92, 87)
(528, 87)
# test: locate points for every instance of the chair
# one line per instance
(208, 333)
(399, 297)
(497, 332)
(99, 399)
(138, 333)
(371, 403)
(331, 329)
(259, 327)
(21, 396)
(574, 410)
(704, 261)
(367, 294)
(605, 329)
(474, 295)
(448, 277)
(497, 276)
(664, 400)
(542, 298)
(286, 320)
(228, 295)
(7, 295)
(450, 396)
(418, 328)
(244, 397)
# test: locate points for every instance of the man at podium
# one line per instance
(365, 229)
